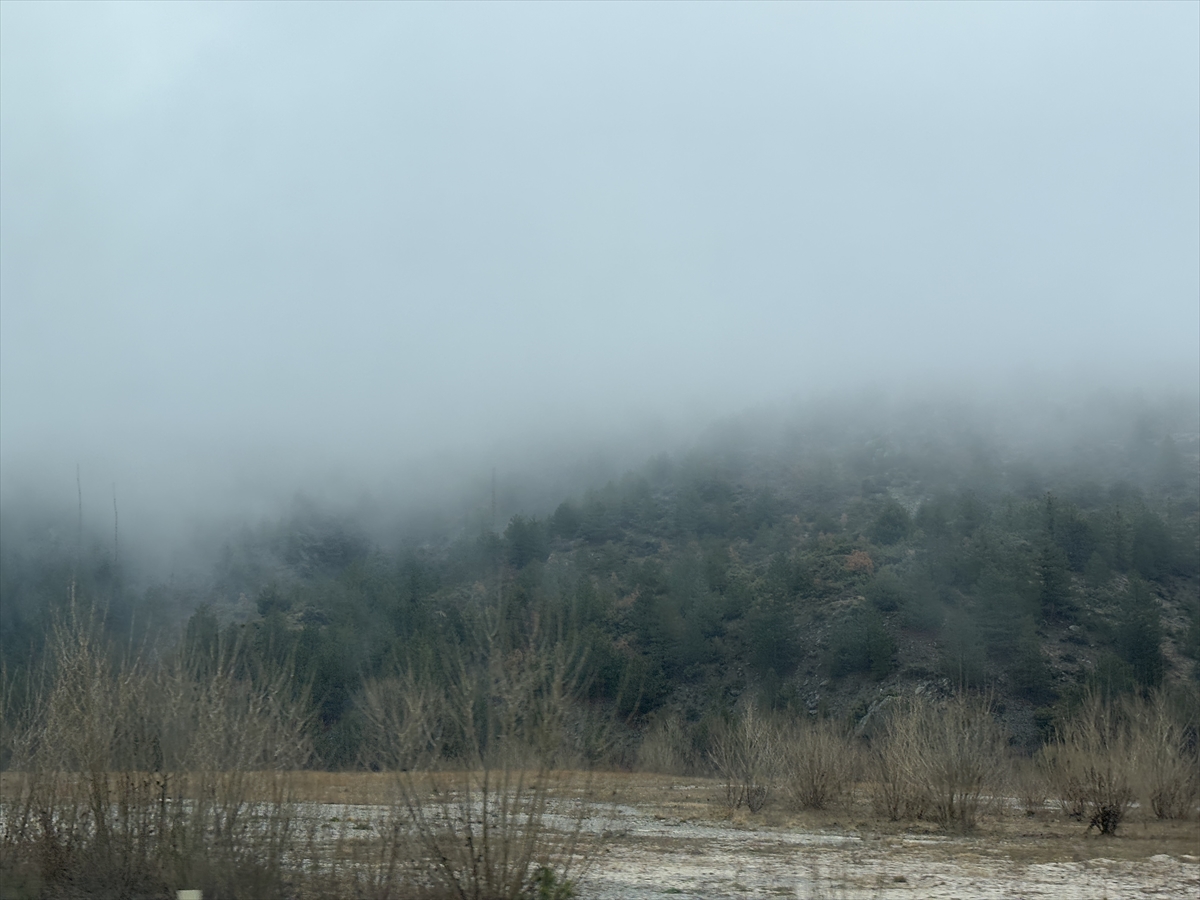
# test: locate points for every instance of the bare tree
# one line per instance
(745, 754)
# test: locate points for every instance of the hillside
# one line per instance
(817, 567)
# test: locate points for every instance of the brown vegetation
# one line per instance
(1110, 753)
(745, 755)
(820, 764)
(139, 777)
(133, 776)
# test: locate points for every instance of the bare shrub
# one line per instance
(664, 747)
(594, 737)
(477, 747)
(1091, 762)
(1030, 786)
(138, 777)
(819, 762)
(227, 745)
(962, 758)
(1168, 767)
(894, 790)
(405, 716)
(943, 762)
(745, 754)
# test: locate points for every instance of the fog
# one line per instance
(375, 251)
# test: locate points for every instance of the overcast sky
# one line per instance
(349, 233)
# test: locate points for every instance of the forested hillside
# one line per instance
(817, 566)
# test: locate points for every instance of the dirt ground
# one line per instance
(660, 836)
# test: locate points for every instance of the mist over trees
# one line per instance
(805, 557)
(802, 396)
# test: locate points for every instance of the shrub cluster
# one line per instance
(950, 762)
(946, 763)
(140, 777)
(136, 776)
(1109, 753)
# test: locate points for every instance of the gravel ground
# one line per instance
(704, 861)
(658, 839)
